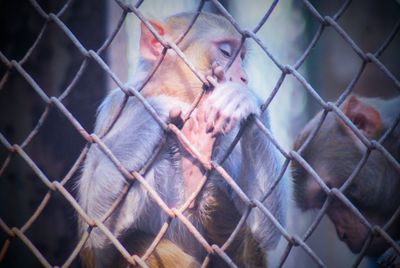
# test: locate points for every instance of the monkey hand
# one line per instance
(390, 258)
(217, 71)
(228, 105)
(194, 129)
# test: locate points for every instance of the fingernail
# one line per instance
(209, 128)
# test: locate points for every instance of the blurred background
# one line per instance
(55, 61)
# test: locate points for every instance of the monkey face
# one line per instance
(334, 154)
(348, 227)
(223, 52)
(353, 232)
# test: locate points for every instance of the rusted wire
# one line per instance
(138, 176)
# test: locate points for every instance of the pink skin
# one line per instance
(195, 131)
(206, 125)
(217, 122)
(353, 232)
(348, 227)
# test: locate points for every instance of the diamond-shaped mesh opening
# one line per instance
(61, 70)
(20, 117)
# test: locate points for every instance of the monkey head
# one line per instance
(211, 40)
(334, 153)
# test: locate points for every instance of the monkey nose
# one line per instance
(241, 79)
(244, 79)
(341, 234)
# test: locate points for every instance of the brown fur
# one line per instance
(244, 250)
(166, 254)
(219, 223)
(179, 81)
(335, 152)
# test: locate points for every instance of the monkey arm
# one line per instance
(390, 258)
(192, 173)
(255, 165)
(196, 133)
(260, 169)
(132, 140)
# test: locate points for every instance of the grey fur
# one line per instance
(253, 165)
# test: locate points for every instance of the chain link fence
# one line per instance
(12, 65)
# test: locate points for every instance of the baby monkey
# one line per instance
(209, 45)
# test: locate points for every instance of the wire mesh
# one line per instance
(14, 232)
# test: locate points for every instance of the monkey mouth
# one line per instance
(355, 245)
(354, 249)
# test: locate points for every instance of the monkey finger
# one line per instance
(202, 103)
(220, 125)
(210, 127)
(175, 113)
(214, 65)
(201, 115)
(209, 72)
(233, 121)
(220, 74)
(211, 119)
(195, 123)
(189, 124)
(175, 116)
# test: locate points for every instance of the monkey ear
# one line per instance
(364, 116)
(150, 48)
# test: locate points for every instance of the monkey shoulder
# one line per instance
(133, 109)
(132, 138)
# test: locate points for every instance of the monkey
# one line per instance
(334, 153)
(254, 163)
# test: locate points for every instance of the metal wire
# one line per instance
(54, 102)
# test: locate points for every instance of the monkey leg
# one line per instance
(390, 258)
(223, 218)
(222, 215)
(165, 255)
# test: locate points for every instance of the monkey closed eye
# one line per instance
(226, 49)
(334, 153)
(135, 138)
